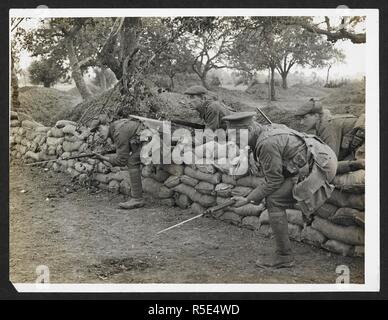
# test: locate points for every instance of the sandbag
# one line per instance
(204, 200)
(63, 123)
(165, 192)
(55, 133)
(32, 155)
(160, 175)
(295, 232)
(349, 235)
(172, 181)
(71, 146)
(223, 190)
(173, 169)
(83, 178)
(73, 173)
(221, 200)
(114, 186)
(125, 187)
(51, 141)
(338, 247)
(189, 180)
(250, 181)
(196, 208)
(211, 178)
(248, 210)
(347, 217)
(206, 168)
(120, 176)
(241, 191)
(228, 179)
(231, 217)
(15, 123)
(312, 236)
(148, 171)
(347, 200)
(71, 138)
(183, 201)
(14, 115)
(168, 202)
(251, 223)
(83, 167)
(29, 124)
(21, 131)
(42, 130)
(205, 188)
(326, 210)
(102, 168)
(351, 182)
(151, 186)
(102, 178)
(70, 129)
(295, 217)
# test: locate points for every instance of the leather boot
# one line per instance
(283, 258)
(137, 200)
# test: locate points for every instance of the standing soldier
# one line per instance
(125, 134)
(344, 133)
(297, 168)
(210, 111)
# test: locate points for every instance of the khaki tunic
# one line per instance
(212, 112)
(123, 132)
(332, 131)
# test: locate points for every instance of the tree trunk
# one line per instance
(15, 103)
(327, 76)
(204, 81)
(284, 80)
(273, 93)
(46, 84)
(76, 71)
(172, 85)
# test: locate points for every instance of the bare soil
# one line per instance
(83, 238)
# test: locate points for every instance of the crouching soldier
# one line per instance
(343, 133)
(210, 111)
(125, 134)
(297, 168)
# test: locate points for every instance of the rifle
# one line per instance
(264, 115)
(208, 211)
(86, 155)
(188, 124)
(158, 124)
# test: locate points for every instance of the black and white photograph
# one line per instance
(189, 150)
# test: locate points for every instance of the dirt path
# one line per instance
(83, 238)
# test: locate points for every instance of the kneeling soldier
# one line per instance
(297, 168)
(125, 135)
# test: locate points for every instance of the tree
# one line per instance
(45, 72)
(74, 43)
(345, 29)
(338, 57)
(211, 46)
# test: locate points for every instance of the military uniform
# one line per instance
(297, 168)
(211, 112)
(125, 135)
(343, 133)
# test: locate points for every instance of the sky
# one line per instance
(353, 67)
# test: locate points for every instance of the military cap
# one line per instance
(239, 119)
(311, 106)
(196, 90)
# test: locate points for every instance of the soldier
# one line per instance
(125, 135)
(344, 134)
(297, 168)
(210, 111)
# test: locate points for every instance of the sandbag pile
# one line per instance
(197, 187)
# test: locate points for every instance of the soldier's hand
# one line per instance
(240, 201)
